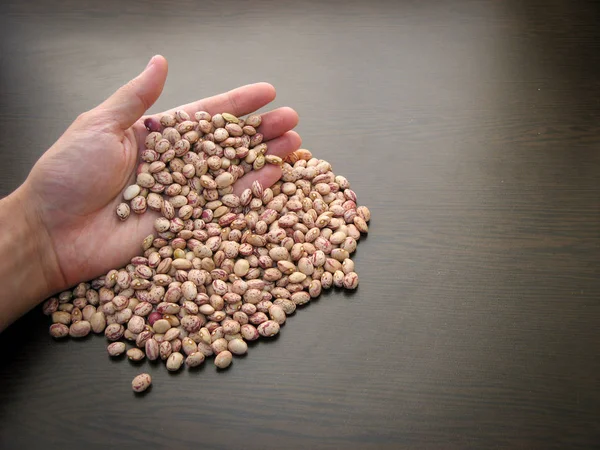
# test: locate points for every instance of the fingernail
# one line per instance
(151, 61)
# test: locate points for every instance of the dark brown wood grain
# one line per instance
(472, 131)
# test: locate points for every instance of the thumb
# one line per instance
(132, 100)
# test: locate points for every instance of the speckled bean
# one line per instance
(277, 314)
(59, 330)
(80, 329)
(237, 346)
(161, 326)
(141, 382)
(165, 350)
(116, 348)
(174, 362)
(152, 349)
(219, 345)
(249, 332)
(194, 359)
(268, 328)
(135, 354)
(114, 332)
(223, 359)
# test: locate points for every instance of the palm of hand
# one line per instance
(79, 182)
(79, 186)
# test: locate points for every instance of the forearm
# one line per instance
(28, 266)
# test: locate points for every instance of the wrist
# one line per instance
(29, 271)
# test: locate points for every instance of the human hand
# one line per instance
(77, 184)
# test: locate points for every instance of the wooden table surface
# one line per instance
(470, 129)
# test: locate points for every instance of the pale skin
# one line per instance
(60, 227)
